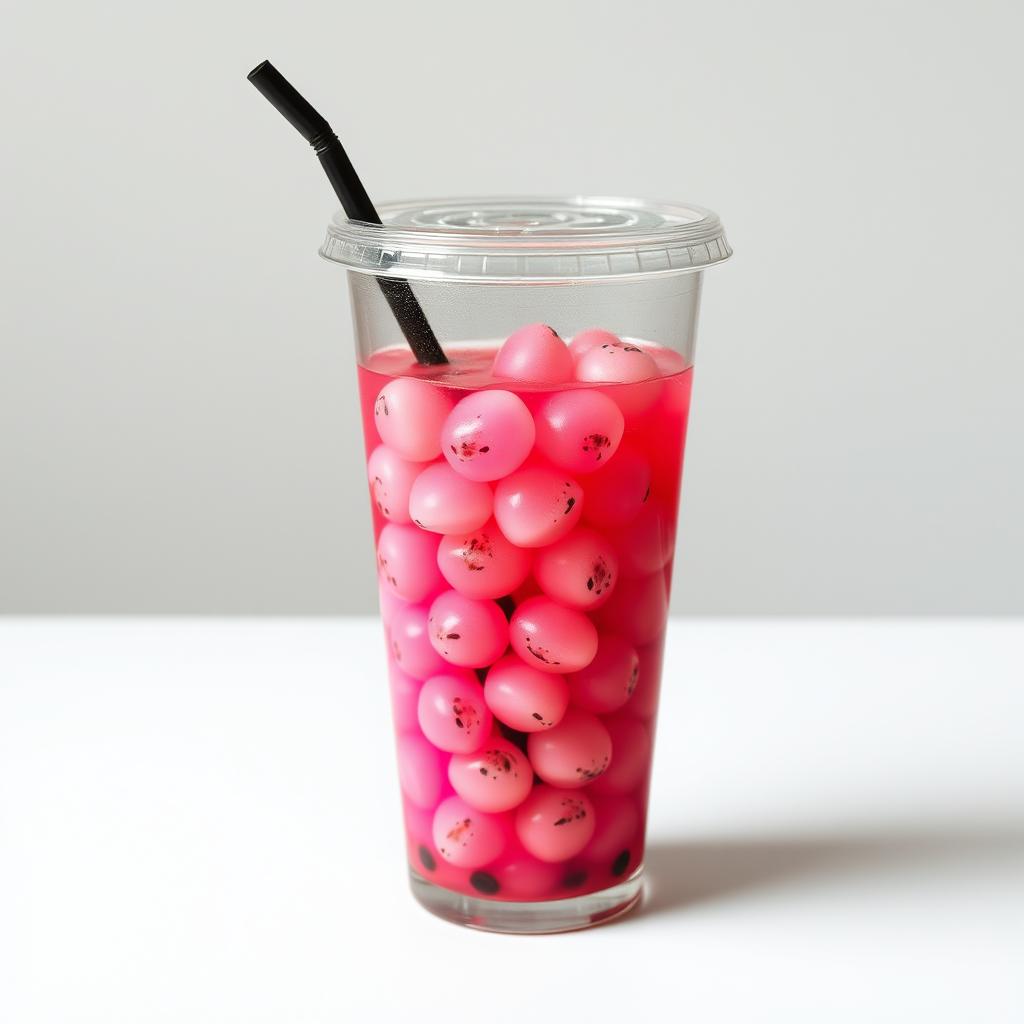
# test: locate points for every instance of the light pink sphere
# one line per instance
(618, 829)
(644, 702)
(466, 631)
(391, 478)
(420, 770)
(617, 493)
(579, 570)
(453, 714)
(609, 680)
(579, 430)
(410, 643)
(409, 415)
(647, 544)
(482, 563)
(524, 698)
(555, 824)
(574, 753)
(537, 506)
(522, 876)
(638, 609)
(443, 501)
(407, 562)
(615, 363)
(631, 742)
(594, 337)
(466, 837)
(390, 603)
(668, 360)
(488, 435)
(405, 693)
(534, 354)
(495, 778)
(551, 637)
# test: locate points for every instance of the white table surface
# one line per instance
(199, 822)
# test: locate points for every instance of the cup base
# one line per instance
(540, 917)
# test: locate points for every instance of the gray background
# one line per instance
(178, 424)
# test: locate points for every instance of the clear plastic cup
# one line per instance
(525, 498)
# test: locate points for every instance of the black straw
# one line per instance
(354, 200)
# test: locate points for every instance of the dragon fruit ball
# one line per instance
(579, 570)
(579, 430)
(537, 505)
(453, 714)
(443, 501)
(610, 679)
(466, 837)
(409, 415)
(583, 342)
(631, 742)
(573, 754)
(637, 609)
(482, 563)
(420, 770)
(555, 824)
(632, 371)
(466, 631)
(648, 543)
(495, 778)
(524, 698)
(618, 830)
(551, 637)
(534, 354)
(487, 435)
(409, 637)
(391, 478)
(407, 562)
(617, 493)
(405, 692)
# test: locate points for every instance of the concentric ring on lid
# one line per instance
(507, 239)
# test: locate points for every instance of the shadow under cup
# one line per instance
(525, 497)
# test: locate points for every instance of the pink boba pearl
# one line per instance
(390, 603)
(410, 643)
(524, 698)
(420, 770)
(552, 638)
(522, 876)
(465, 631)
(495, 778)
(453, 714)
(618, 362)
(609, 680)
(574, 753)
(647, 544)
(537, 506)
(555, 824)
(467, 837)
(407, 562)
(632, 745)
(579, 430)
(644, 702)
(488, 435)
(391, 479)
(534, 354)
(669, 361)
(443, 501)
(409, 415)
(583, 342)
(617, 493)
(579, 570)
(618, 829)
(482, 563)
(405, 692)
(637, 609)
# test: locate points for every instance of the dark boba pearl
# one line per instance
(427, 859)
(620, 863)
(575, 878)
(484, 882)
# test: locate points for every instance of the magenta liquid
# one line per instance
(525, 536)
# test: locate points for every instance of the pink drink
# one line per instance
(525, 528)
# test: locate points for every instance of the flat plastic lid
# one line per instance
(506, 239)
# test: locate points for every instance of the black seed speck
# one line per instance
(569, 504)
(486, 448)
(538, 716)
(590, 583)
(647, 493)
(484, 881)
(620, 863)
(574, 879)
(427, 859)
